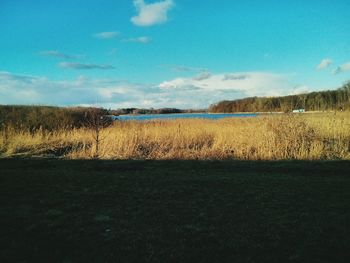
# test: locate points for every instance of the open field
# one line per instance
(174, 211)
(275, 137)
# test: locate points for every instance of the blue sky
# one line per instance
(170, 53)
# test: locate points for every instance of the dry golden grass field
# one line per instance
(266, 137)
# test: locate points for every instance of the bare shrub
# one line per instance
(96, 120)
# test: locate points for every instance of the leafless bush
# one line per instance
(96, 119)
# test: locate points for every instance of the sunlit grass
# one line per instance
(304, 136)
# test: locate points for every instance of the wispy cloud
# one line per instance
(182, 68)
(143, 40)
(107, 35)
(235, 77)
(325, 63)
(113, 51)
(69, 65)
(151, 14)
(202, 76)
(342, 68)
(57, 54)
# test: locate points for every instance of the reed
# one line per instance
(274, 137)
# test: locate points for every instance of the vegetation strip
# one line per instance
(267, 137)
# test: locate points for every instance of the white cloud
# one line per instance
(107, 35)
(301, 90)
(342, 68)
(198, 91)
(151, 14)
(325, 63)
(143, 40)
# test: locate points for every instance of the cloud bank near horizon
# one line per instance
(198, 91)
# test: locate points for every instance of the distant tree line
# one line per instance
(45, 117)
(315, 101)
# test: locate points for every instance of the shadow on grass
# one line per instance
(174, 211)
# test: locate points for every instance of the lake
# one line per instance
(213, 116)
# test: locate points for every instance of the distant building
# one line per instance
(299, 111)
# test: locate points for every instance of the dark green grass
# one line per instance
(174, 211)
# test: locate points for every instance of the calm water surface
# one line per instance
(215, 116)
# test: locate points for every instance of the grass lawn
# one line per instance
(174, 211)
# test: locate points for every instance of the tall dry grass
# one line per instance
(304, 136)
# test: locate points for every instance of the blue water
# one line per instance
(215, 116)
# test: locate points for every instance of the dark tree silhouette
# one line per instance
(315, 101)
(96, 120)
